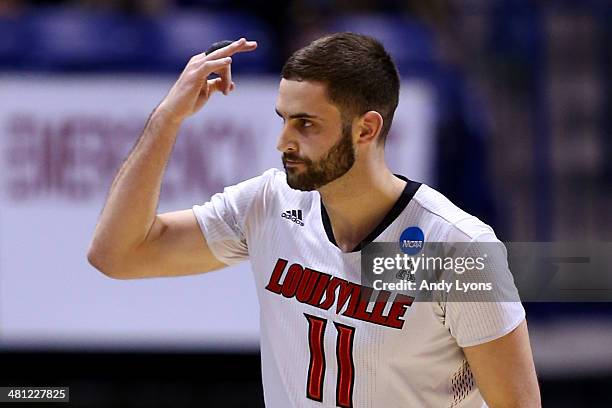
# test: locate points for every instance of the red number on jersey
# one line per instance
(344, 358)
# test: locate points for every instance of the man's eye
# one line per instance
(305, 123)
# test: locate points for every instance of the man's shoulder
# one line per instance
(270, 179)
(274, 181)
(449, 222)
(275, 174)
(271, 175)
(270, 189)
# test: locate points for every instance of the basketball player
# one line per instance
(303, 230)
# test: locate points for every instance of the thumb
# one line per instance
(212, 86)
(216, 84)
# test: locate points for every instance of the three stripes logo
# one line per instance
(294, 215)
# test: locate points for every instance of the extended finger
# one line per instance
(233, 47)
(216, 66)
(217, 45)
(241, 45)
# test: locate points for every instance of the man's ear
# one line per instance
(370, 125)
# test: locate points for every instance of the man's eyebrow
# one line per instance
(300, 115)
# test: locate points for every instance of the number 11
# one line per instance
(344, 358)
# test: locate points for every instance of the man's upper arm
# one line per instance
(205, 238)
(175, 246)
(504, 370)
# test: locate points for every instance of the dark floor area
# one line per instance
(127, 379)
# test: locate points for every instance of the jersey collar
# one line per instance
(409, 191)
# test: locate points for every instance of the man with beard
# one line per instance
(322, 344)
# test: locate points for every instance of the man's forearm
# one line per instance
(131, 206)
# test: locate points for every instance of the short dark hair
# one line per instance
(359, 73)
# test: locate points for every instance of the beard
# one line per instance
(337, 161)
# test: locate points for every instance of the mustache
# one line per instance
(294, 157)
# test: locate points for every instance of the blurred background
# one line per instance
(505, 109)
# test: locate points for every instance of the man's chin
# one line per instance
(301, 188)
(299, 183)
(304, 181)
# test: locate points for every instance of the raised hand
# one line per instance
(193, 88)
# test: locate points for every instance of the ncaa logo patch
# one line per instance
(412, 240)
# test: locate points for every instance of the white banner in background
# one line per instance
(62, 140)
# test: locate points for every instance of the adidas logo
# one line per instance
(294, 215)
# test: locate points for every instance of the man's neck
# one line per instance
(357, 202)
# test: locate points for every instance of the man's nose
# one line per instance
(286, 142)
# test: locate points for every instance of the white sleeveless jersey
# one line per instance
(319, 346)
